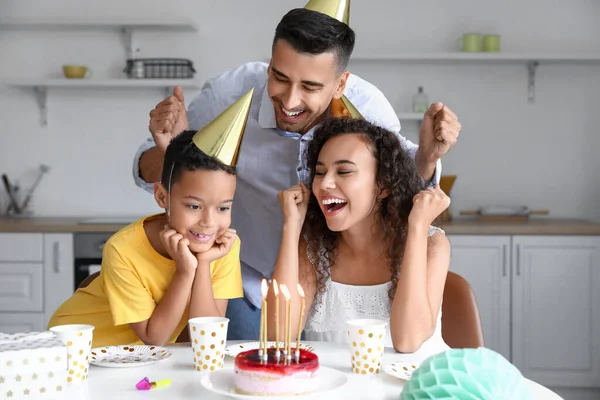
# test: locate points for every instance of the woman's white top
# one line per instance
(326, 320)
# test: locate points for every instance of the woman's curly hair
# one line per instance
(396, 173)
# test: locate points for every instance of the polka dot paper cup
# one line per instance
(208, 336)
(366, 345)
(78, 339)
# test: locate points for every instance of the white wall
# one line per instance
(510, 152)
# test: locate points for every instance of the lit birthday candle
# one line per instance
(297, 353)
(276, 291)
(263, 320)
(288, 318)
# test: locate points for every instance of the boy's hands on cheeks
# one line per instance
(178, 248)
(220, 248)
(186, 261)
(428, 204)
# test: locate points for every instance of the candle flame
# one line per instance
(285, 292)
(264, 288)
(275, 288)
(300, 291)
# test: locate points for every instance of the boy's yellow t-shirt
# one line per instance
(133, 280)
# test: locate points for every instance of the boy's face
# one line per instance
(200, 204)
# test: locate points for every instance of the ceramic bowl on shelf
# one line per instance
(76, 71)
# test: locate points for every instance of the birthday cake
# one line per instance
(275, 377)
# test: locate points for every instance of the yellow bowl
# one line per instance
(446, 183)
(74, 71)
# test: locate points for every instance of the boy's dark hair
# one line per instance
(183, 155)
(312, 32)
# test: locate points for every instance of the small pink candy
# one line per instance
(144, 384)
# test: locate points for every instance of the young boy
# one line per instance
(164, 269)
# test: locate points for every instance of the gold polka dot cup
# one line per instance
(78, 339)
(208, 336)
(366, 338)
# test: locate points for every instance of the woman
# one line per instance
(362, 245)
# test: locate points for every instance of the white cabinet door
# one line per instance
(59, 270)
(21, 286)
(22, 322)
(484, 261)
(21, 247)
(556, 309)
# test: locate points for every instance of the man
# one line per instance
(306, 75)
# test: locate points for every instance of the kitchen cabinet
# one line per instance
(36, 276)
(484, 261)
(556, 309)
(59, 271)
(21, 322)
(539, 301)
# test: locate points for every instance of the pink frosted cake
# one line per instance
(272, 378)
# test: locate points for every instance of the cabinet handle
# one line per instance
(504, 260)
(518, 260)
(55, 257)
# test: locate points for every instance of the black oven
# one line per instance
(88, 254)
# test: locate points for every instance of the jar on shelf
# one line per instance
(420, 101)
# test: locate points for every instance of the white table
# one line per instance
(119, 383)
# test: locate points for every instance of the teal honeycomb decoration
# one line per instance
(466, 374)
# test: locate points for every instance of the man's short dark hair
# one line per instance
(312, 32)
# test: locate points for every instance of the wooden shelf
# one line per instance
(41, 86)
(172, 24)
(456, 57)
(127, 27)
(531, 60)
(107, 83)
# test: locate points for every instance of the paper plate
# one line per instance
(127, 356)
(234, 350)
(401, 370)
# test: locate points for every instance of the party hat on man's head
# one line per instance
(342, 107)
(354, 113)
(338, 9)
(222, 137)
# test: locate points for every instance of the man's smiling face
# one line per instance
(301, 86)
